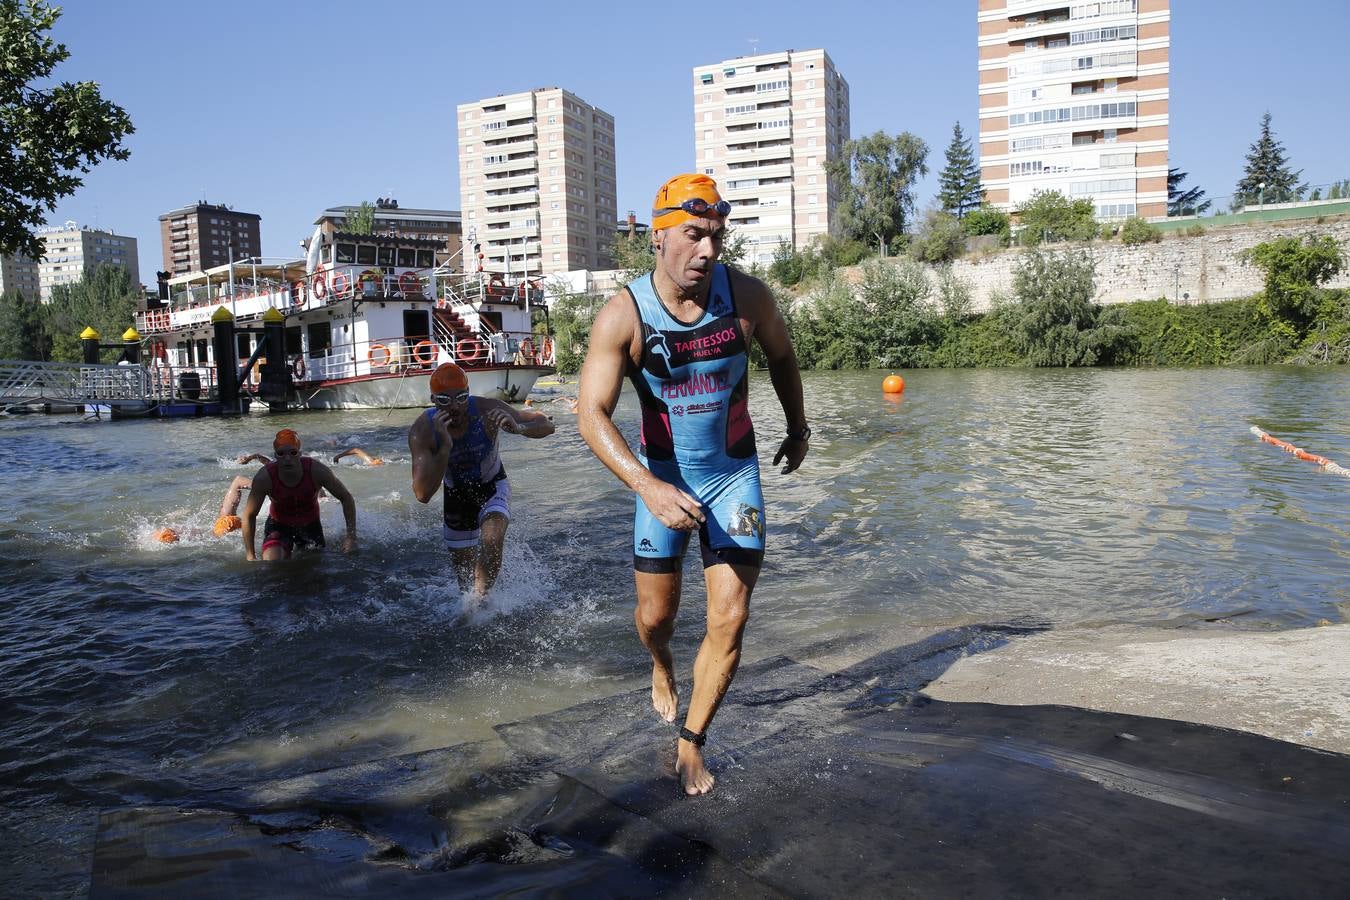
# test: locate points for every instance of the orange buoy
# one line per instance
(893, 384)
(166, 535)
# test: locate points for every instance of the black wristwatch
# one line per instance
(799, 434)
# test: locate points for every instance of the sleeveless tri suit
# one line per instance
(475, 482)
(293, 516)
(696, 430)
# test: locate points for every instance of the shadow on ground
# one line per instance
(832, 781)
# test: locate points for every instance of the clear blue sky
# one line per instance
(287, 108)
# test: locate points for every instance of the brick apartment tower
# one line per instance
(764, 127)
(200, 237)
(537, 183)
(1073, 98)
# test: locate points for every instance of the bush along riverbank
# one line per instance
(901, 314)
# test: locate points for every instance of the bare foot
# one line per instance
(694, 775)
(664, 699)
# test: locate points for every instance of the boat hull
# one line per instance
(410, 389)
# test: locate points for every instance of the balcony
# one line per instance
(528, 180)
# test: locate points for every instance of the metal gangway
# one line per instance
(132, 387)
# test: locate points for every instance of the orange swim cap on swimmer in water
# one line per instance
(225, 524)
(448, 377)
(166, 535)
(687, 197)
(286, 438)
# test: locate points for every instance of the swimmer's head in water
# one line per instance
(225, 524)
(166, 535)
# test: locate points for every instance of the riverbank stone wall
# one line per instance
(1204, 268)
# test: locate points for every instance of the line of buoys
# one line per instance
(1326, 464)
(893, 384)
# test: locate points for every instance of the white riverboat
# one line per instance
(366, 319)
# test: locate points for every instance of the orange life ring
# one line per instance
(298, 294)
(410, 285)
(298, 368)
(527, 350)
(341, 284)
(319, 284)
(423, 358)
(370, 355)
(475, 351)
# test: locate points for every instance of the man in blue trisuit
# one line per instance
(682, 335)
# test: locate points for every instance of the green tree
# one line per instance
(875, 178)
(22, 331)
(1294, 270)
(959, 188)
(903, 323)
(1059, 324)
(104, 299)
(1268, 165)
(940, 238)
(361, 220)
(48, 133)
(788, 266)
(633, 256)
(571, 318)
(1188, 202)
(1050, 216)
(988, 220)
(1136, 231)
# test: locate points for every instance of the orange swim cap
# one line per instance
(666, 208)
(448, 377)
(286, 438)
(166, 535)
(225, 524)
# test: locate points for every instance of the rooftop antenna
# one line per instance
(754, 44)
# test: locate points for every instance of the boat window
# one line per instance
(293, 340)
(426, 259)
(320, 338)
(365, 255)
(241, 346)
(346, 253)
(386, 256)
(407, 258)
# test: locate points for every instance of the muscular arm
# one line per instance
(601, 382)
(757, 304)
(324, 478)
(229, 504)
(428, 465)
(261, 487)
(255, 457)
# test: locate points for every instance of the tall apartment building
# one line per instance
(537, 182)
(205, 235)
(394, 221)
(1073, 98)
(71, 249)
(764, 127)
(19, 273)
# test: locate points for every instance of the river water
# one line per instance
(134, 672)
